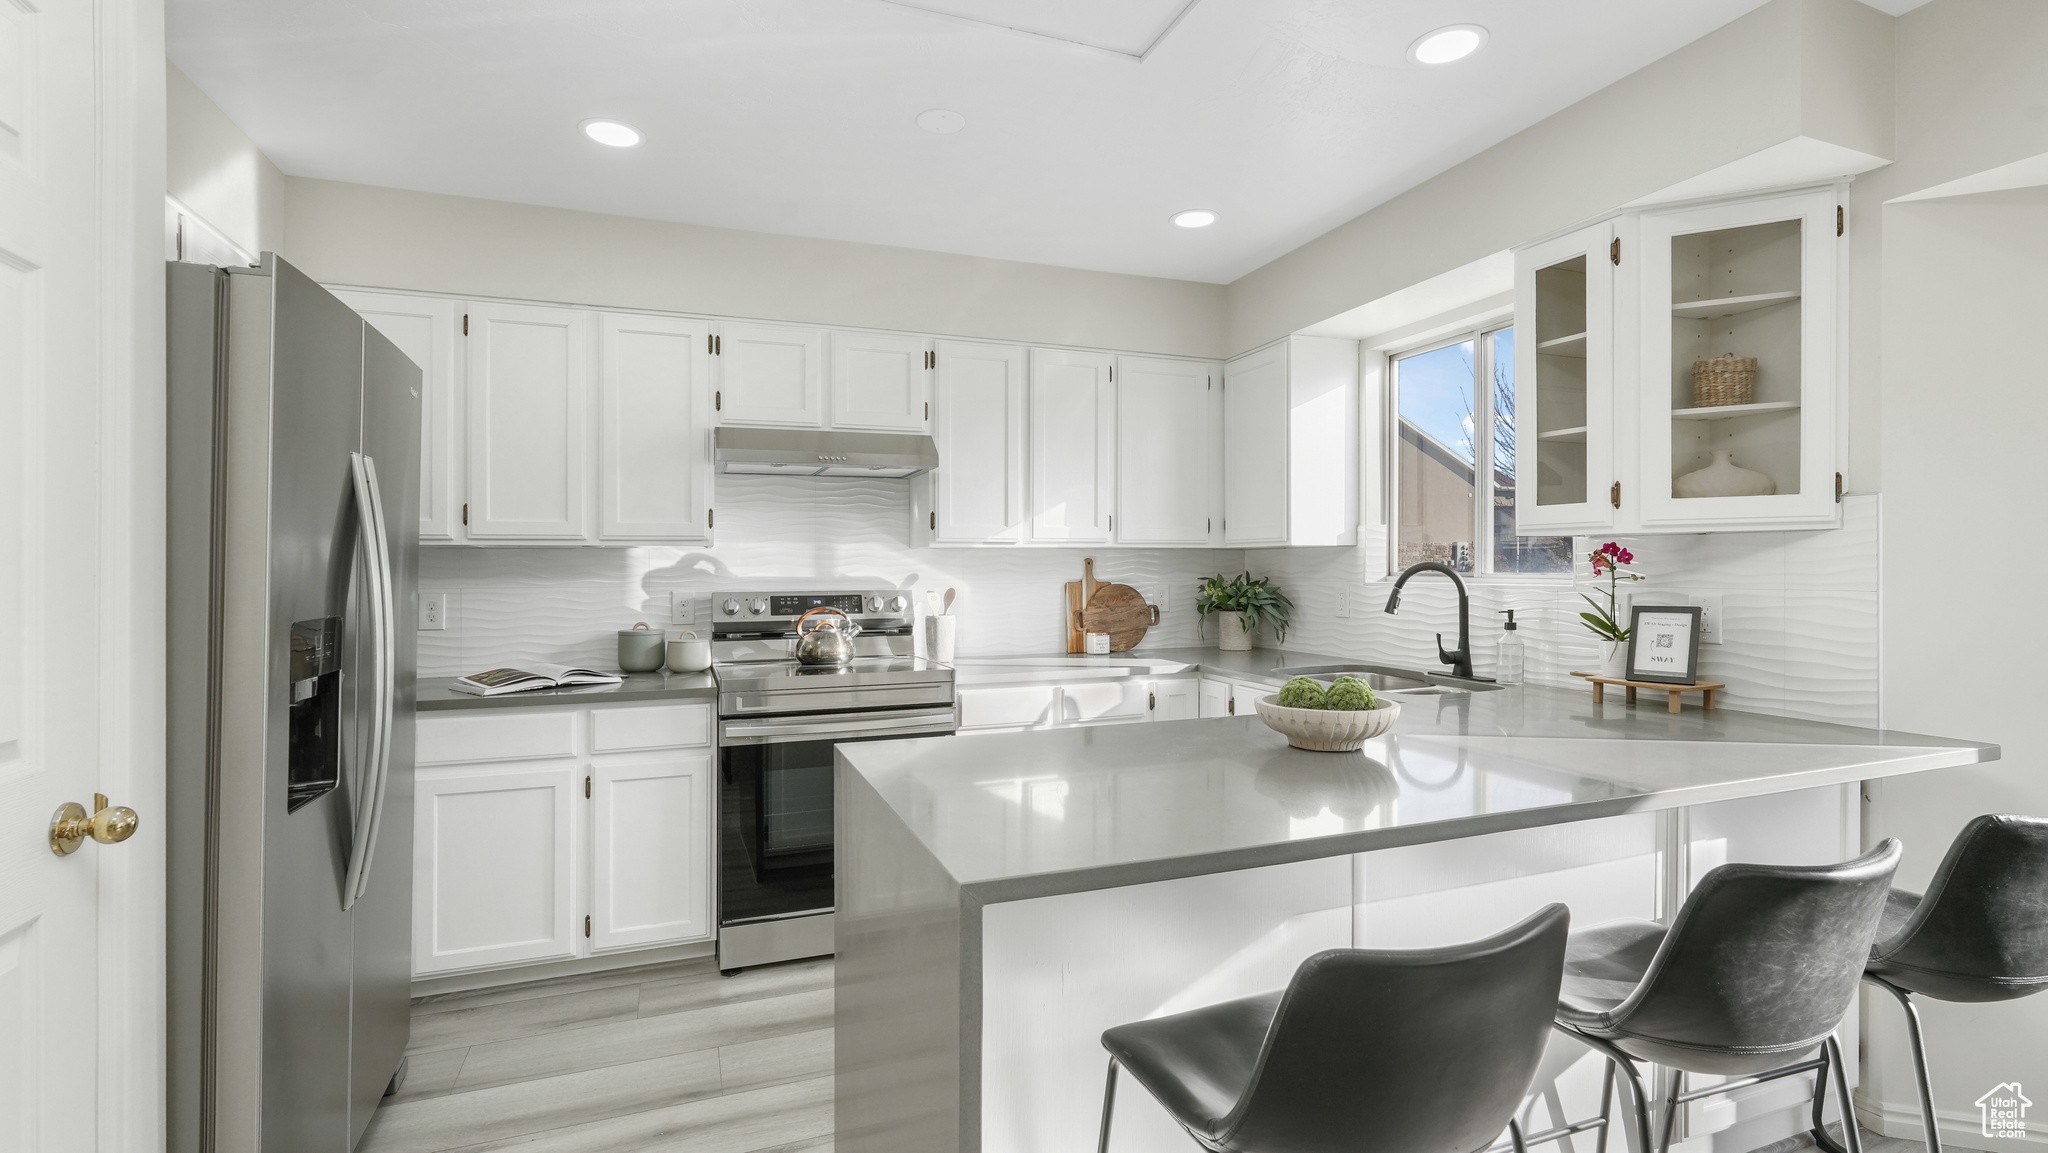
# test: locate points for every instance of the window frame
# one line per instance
(1480, 331)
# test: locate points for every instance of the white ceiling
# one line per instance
(1288, 117)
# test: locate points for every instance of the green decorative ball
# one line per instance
(1301, 693)
(1350, 694)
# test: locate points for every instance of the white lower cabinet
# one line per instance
(1221, 698)
(1178, 699)
(1125, 700)
(551, 834)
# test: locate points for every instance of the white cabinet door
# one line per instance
(1164, 468)
(1179, 699)
(528, 393)
(1105, 702)
(654, 420)
(1214, 698)
(976, 495)
(1009, 707)
(493, 866)
(1564, 383)
(771, 374)
(651, 844)
(1073, 419)
(1255, 448)
(426, 329)
(881, 381)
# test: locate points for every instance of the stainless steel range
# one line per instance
(778, 722)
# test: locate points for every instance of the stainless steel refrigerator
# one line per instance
(293, 545)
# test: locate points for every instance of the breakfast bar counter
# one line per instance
(1004, 898)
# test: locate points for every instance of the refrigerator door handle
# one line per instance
(384, 644)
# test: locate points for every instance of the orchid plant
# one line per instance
(1611, 561)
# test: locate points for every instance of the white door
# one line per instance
(1215, 698)
(1255, 448)
(1176, 700)
(528, 396)
(1105, 702)
(770, 374)
(977, 492)
(651, 850)
(1564, 382)
(654, 420)
(1073, 427)
(881, 382)
(493, 866)
(1163, 464)
(81, 564)
(426, 329)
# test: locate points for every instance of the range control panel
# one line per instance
(758, 613)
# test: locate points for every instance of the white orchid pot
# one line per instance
(1231, 635)
(1614, 659)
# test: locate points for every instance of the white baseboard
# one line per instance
(1959, 1130)
(524, 974)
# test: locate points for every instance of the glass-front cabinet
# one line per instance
(1686, 369)
(1564, 363)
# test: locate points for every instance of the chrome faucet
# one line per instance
(1460, 659)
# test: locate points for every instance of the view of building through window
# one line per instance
(1451, 398)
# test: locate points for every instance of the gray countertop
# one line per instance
(1018, 815)
(435, 695)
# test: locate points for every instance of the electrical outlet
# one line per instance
(433, 611)
(1710, 617)
(1344, 604)
(681, 610)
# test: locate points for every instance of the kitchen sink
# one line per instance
(1385, 679)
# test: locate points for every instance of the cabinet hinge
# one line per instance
(1208, 524)
(1840, 220)
(935, 522)
(1112, 522)
(1112, 374)
(1838, 488)
(1614, 250)
(465, 324)
(586, 924)
(718, 401)
(1614, 494)
(709, 348)
(586, 788)
(927, 410)
(465, 513)
(1233, 706)
(1151, 701)
(710, 518)
(718, 345)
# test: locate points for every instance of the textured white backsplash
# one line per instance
(1799, 628)
(507, 605)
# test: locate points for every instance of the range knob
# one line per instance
(897, 604)
(731, 607)
(758, 607)
(874, 604)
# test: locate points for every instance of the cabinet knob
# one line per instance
(109, 825)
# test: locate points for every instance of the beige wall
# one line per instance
(387, 238)
(218, 172)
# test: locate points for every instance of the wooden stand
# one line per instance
(1600, 684)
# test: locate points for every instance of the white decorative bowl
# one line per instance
(1328, 730)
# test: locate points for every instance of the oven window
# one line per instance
(796, 799)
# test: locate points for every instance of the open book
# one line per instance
(539, 676)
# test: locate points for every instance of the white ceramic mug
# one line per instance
(687, 654)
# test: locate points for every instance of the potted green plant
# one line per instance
(1240, 605)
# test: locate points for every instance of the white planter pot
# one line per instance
(1231, 636)
(1614, 659)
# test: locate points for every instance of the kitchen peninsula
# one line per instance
(1004, 898)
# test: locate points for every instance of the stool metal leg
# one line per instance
(1606, 1107)
(1928, 1126)
(1616, 1059)
(1515, 1135)
(1850, 1130)
(1671, 1109)
(1109, 1104)
(1821, 1137)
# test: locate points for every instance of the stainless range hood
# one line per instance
(800, 452)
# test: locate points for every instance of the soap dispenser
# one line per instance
(1507, 655)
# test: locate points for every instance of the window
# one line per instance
(1451, 398)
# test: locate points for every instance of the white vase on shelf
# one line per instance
(1614, 659)
(1723, 478)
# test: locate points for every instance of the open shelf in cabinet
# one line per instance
(1731, 411)
(1573, 346)
(1730, 305)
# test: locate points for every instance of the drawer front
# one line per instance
(1105, 701)
(496, 735)
(650, 727)
(999, 707)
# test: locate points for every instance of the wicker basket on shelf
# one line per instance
(1723, 380)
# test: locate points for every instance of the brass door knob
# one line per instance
(69, 826)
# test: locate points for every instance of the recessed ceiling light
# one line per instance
(611, 132)
(941, 121)
(1194, 218)
(1447, 44)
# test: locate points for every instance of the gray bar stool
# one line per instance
(1753, 975)
(1980, 933)
(1424, 1051)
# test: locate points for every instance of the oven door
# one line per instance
(775, 806)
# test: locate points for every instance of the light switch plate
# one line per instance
(433, 611)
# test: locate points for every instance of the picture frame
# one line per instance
(1664, 644)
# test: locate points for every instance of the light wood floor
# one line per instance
(669, 1057)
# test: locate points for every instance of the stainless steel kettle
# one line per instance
(825, 641)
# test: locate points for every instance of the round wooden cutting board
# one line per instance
(1120, 611)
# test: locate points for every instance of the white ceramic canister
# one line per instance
(689, 654)
(1096, 644)
(640, 648)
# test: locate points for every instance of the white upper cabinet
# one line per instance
(529, 392)
(654, 445)
(1564, 383)
(1290, 444)
(771, 374)
(976, 495)
(1168, 415)
(880, 381)
(1755, 280)
(1073, 428)
(428, 330)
